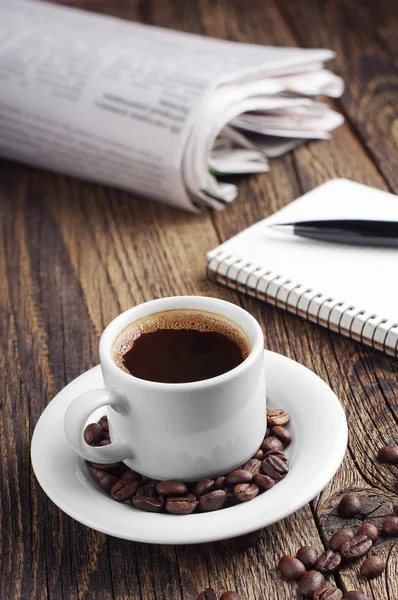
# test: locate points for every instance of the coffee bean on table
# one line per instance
(338, 538)
(355, 595)
(390, 526)
(263, 481)
(253, 466)
(230, 596)
(246, 491)
(239, 476)
(328, 593)
(356, 547)
(328, 562)
(181, 506)
(350, 506)
(93, 434)
(275, 466)
(277, 417)
(370, 530)
(388, 454)
(259, 454)
(308, 556)
(372, 567)
(311, 582)
(106, 481)
(219, 482)
(213, 500)
(291, 568)
(271, 443)
(147, 504)
(171, 488)
(282, 434)
(208, 594)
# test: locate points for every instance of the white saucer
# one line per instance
(318, 426)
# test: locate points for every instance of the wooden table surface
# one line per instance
(73, 255)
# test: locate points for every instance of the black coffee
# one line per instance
(180, 347)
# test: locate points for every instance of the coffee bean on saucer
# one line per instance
(230, 596)
(263, 481)
(282, 434)
(108, 467)
(126, 487)
(204, 486)
(370, 530)
(208, 594)
(275, 466)
(328, 593)
(355, 595)
(350, 506)
(253, 466)
(181, 506)
(356, 547)
(388, 454)
(395, 509)
(146, 491)
(338, 538)
(105, 481)
(171, 488)
(277, 417)
(372, 567)
(271, 443)
(147, 504)
(311, 582)
(239, 476)
(308, 556)
(213, 500)
(291, 568)
(93, 434)
(246, 491)
(390, 526)
(104, 423)
(259, 454)
(219, 483)
(328, 562)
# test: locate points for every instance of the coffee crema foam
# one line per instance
(177, 319)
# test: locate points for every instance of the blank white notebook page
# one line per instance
(358, 278)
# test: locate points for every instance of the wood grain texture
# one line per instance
(73, 255)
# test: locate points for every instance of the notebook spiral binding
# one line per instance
(255, 271)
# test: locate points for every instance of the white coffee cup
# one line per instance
(183, 431)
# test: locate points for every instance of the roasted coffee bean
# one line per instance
(181, 506)
(282, 434)
(350, 506)
(146, 491)
(108, 467)
(93, 434)
(328, 593)
(203, 487)
(274, 453)
(230, 596)
(275, 466)
(388, 454)
(308, 556)
(208, 594)
(372, 567)
(171, 488)
(213, 500)
(152, 482)
(239, 476)
(338, 538)
(219, 482)
(104, 423)
(147, 504)
(105, 442)
(355, 595)
(277, 417)
(271, 443)
(370, 530)
(253, 466)
(126, 487)
(311, 582)
(291, 568)
(259, 454)
(246, 491)
(263, 481)
(390, 526)
(355, 547)
(106, 481)
(395, 509)
(328, 562)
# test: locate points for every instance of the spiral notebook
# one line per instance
(352, 290)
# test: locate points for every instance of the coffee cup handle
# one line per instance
(76, 418)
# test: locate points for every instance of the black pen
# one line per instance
(360, 232)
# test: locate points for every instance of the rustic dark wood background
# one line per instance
(73, 255)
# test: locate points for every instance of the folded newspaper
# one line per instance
(158, 112)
